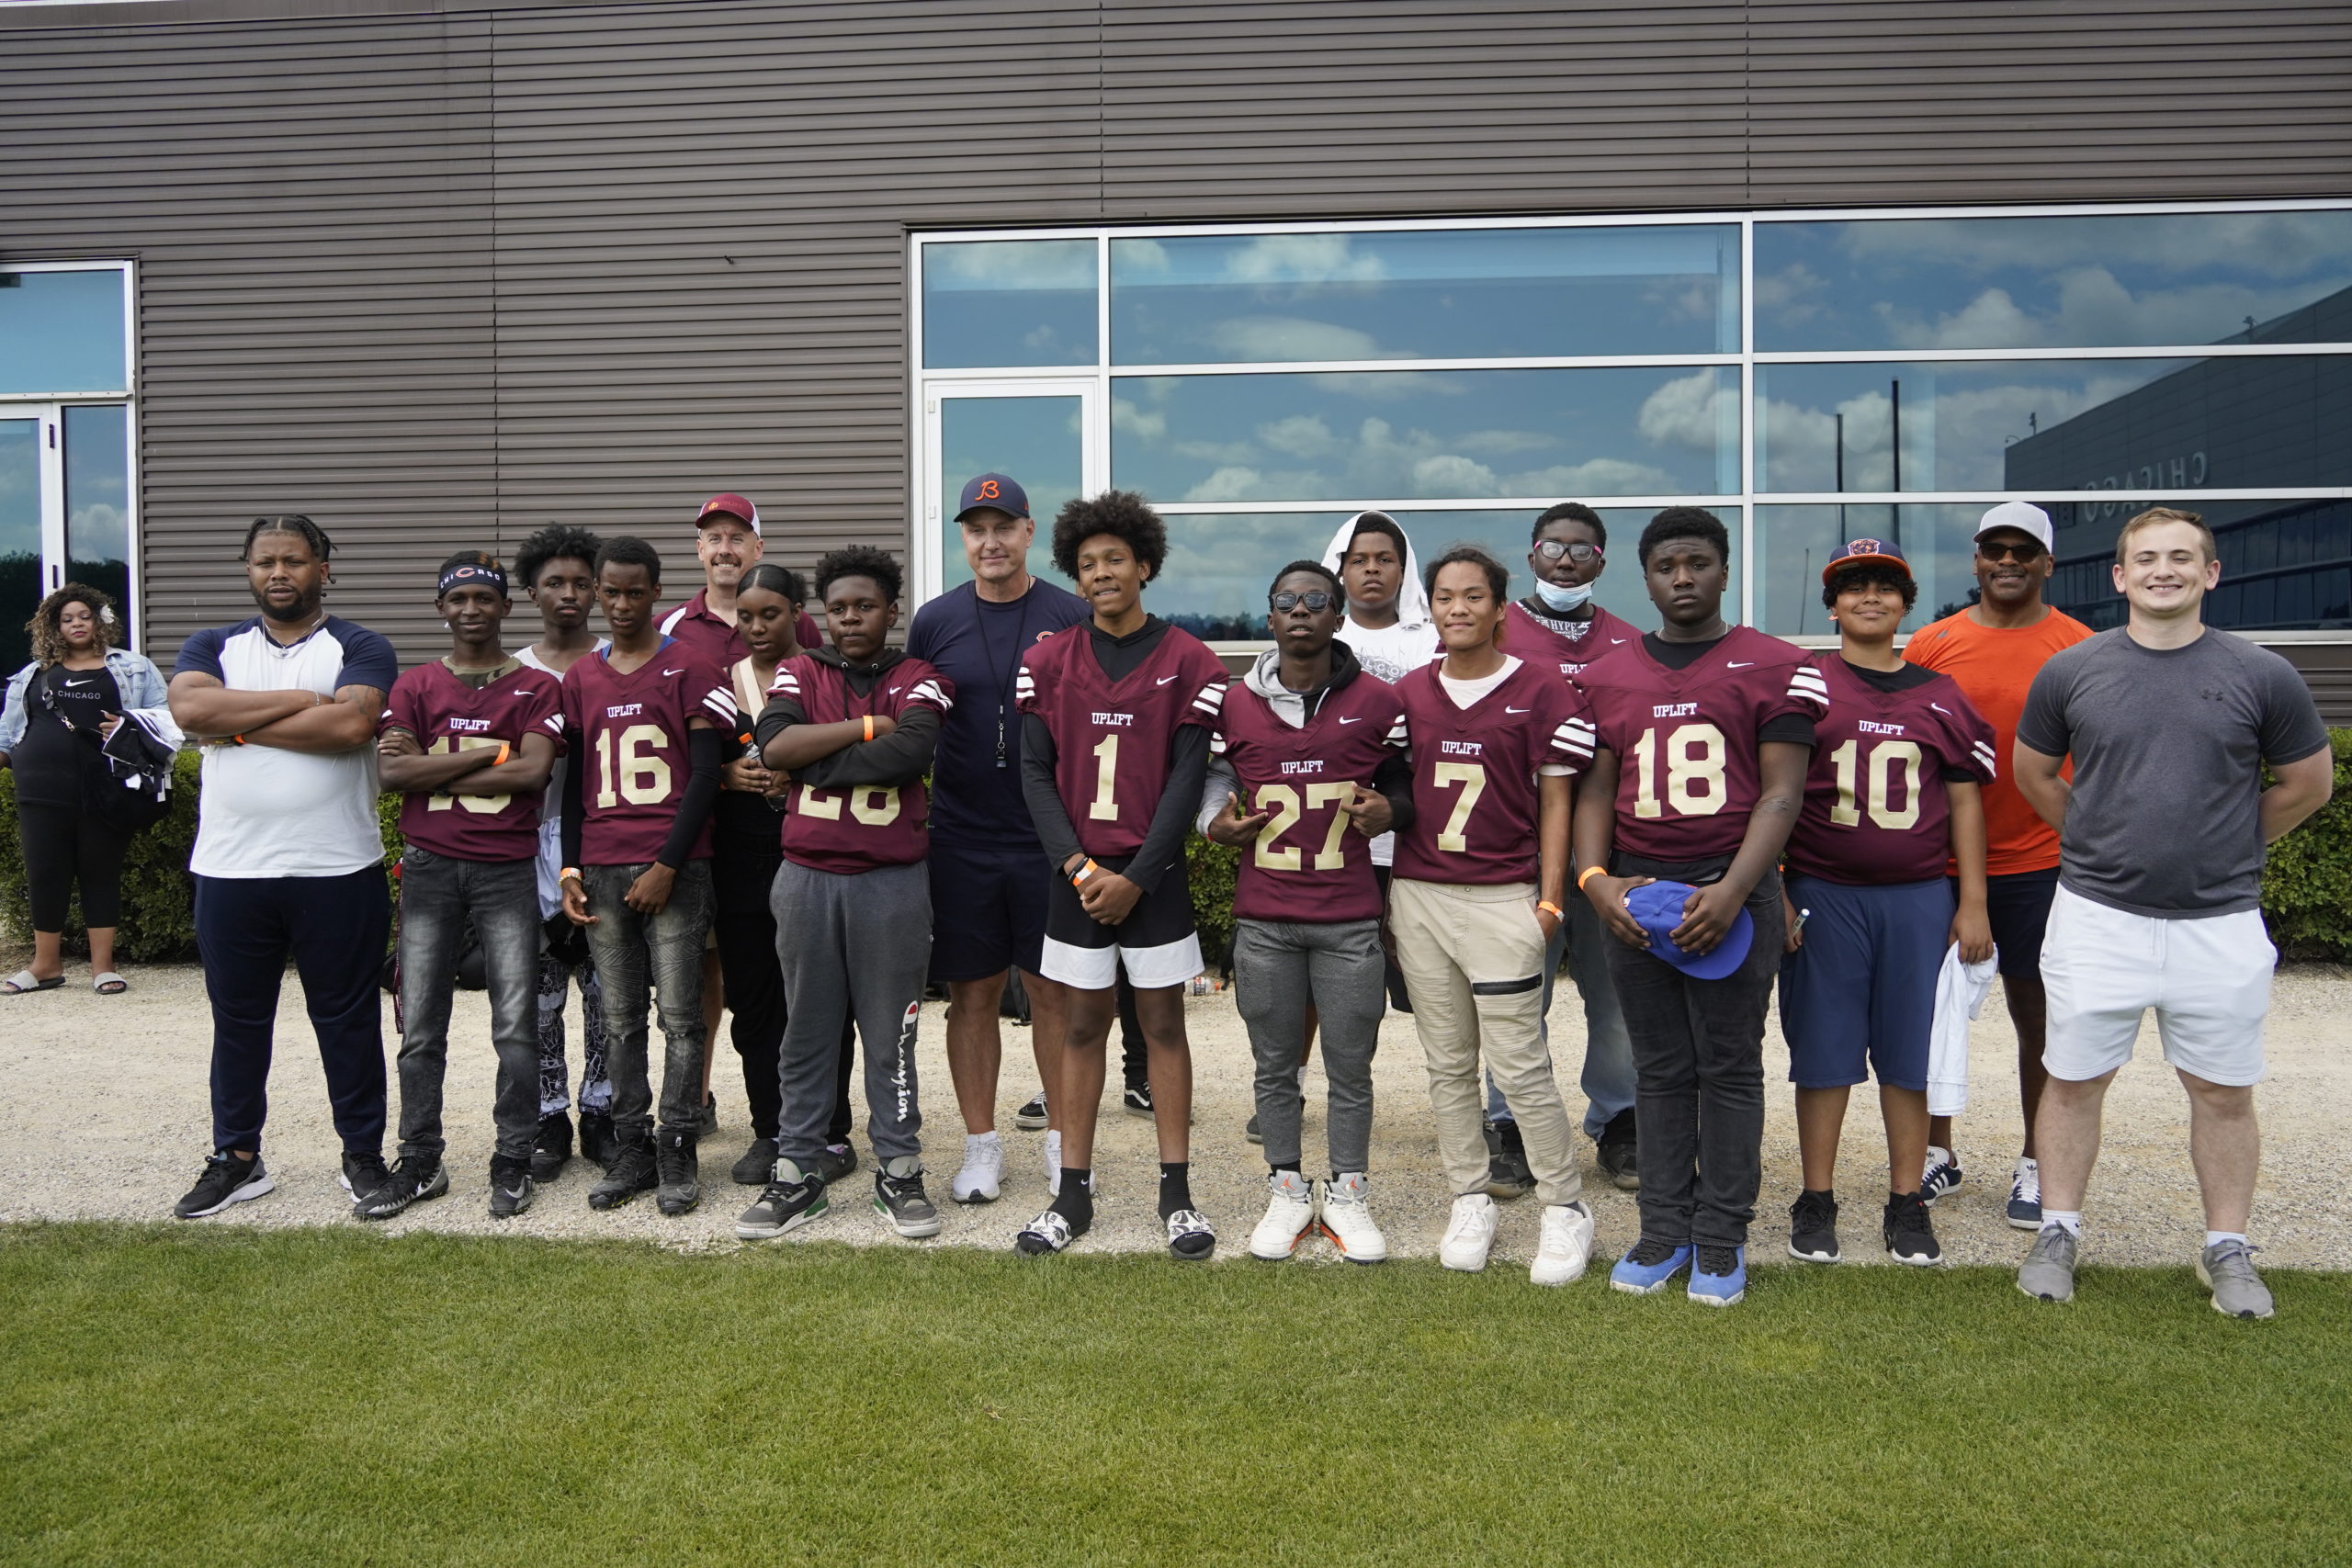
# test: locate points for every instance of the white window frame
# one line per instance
(51, 406)
(924, 382)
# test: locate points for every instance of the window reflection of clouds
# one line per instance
(1650, 431)
(1503, 293)
(1040, 442)
(992, 302)
(2029, 282)
(62, 331)
(1220, 566)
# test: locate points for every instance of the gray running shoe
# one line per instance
(2226, 1269)
(791, 1202)
(2048, 1272)
(900, 1198)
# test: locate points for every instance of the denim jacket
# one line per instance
(135, 676)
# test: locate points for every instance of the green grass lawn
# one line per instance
(334, 1396)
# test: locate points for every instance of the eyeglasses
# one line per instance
(2021, 553)
(1315, 599)
(1551, 549)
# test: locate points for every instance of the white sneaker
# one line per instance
(1347, 1220)
(1054, 1163)
(1470, 1234)
(1565, 1247)
(983, 1169)
(1290, 1216)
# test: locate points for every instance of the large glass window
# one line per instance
(1894, 375)
(63, 331)
(1431, 294)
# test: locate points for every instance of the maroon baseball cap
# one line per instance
(734, 506)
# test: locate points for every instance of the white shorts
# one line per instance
(2208, 979)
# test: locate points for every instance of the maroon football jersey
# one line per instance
(1112, 738)
(849, 830)
(1475, 800)
(1877, 804)
(629, 740)
(1571, 645)
(1685, 739)
(1309, 864)
(447, 715)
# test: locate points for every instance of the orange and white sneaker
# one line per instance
(1290, 1216)
(1346, 1220)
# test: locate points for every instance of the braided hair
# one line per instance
(292, 522)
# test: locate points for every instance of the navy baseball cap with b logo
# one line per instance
(992, 492)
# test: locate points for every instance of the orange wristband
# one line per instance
(1547, 904)
(1589, 872)
(869, 726)
(501, 758)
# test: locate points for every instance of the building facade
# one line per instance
(438, 273)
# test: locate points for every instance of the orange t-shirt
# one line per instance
(1994, 669)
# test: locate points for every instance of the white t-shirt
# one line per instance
(550, 879)
(1394, 651)
(267, 812)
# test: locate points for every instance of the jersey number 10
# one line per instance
(1875, 794)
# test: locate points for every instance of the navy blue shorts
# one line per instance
(1857, 999)
(2017, 908)
(988, 910)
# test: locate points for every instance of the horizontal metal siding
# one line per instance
(441, 272)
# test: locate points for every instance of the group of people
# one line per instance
(1439, 794)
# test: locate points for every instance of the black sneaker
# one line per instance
(1137, 1100)
(706, 1121)
(1813, 1228)
(599, 1142)
(1615, 1150)
(551, 1149)
(789, 1202)
(1032, 1117)
(512, 1185)
(836, 1162)
(757, 1164)
(899, 1198)
(632, 1172)
(1250, 1132)
(411, 1179)
(1507, 1175)
(678, 1170)
(1910, 1234)
(226, 1179)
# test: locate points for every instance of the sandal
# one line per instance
(25, 980)
(110, 983)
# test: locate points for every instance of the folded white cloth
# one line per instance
(1961, 989)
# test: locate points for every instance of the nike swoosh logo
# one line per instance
(894, 691)
(1508, 708)
(1738, 663)
(1359, 719)
(1164, 680)
(520, 693)
(669, 672)
(1615, 640)
(1941, 709)
(82, 683)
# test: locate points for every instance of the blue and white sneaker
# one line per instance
(1943, 1175)
(1719, 1277)
(2025, 1196)
(1648, 1268)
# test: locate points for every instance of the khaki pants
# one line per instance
(1472, 959)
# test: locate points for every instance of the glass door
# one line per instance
(1037, 431)
(65, 512)
(28, 479)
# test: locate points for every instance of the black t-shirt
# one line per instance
(50, 760)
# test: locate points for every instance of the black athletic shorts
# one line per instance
(988, 909)
(1157, 943)
(2018, 905)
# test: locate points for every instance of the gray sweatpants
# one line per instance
(1279, 967)
(855, 946)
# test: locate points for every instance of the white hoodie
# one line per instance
(1389, 653)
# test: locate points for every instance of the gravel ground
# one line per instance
(105, 1100)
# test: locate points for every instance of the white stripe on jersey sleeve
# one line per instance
(720, 703)
(1210, 699)
(927, 690)
(1805, 685)
(554, 722)
(1984, 759)
(1400, 733)
(785, 685)
(1573, 741)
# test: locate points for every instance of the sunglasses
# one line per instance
(1551, 549)
(2021, 553)
(1315, 599)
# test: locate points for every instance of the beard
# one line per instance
(305, 607)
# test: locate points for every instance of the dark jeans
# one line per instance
(438, 892)
(755, 998)
(335, 929)
(1699, 1073)
(662, 953)
(853, 947)
(64, 845)
(564, 955)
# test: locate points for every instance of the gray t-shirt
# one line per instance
(2168, 745)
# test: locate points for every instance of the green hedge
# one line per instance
(2306, 889)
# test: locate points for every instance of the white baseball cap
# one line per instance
(2024, 516)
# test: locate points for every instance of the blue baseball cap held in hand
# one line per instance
(1656, 908)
